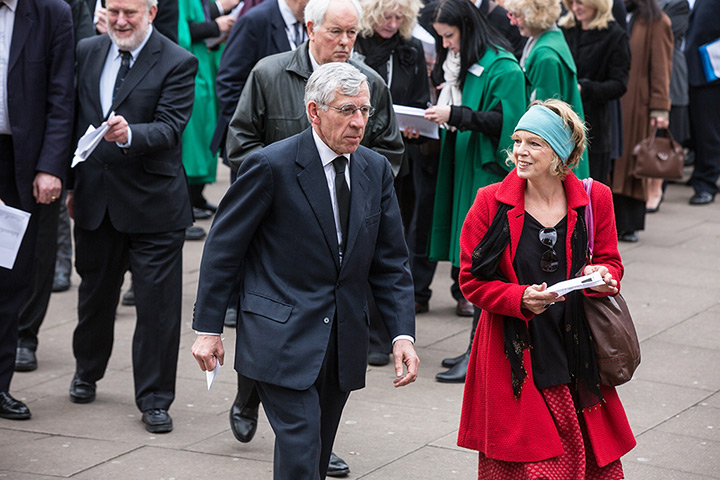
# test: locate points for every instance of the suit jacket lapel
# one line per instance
(313, 183)
(23, 23)
(145, 61)
(279, 37)
(358, 194)
(95, 70)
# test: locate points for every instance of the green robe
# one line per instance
(473, 161)
(199, 162)
(551, 73)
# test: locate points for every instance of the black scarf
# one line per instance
(377, 51)
(577, 338)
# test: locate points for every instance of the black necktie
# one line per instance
(299, 33)
(342, 194)
(125, 58)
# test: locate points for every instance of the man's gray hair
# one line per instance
(330, 78)
(151, 3)
(315, 10)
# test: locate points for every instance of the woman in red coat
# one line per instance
(532, 365)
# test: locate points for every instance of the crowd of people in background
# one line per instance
(184, 85)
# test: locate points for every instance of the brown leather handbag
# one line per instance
(658, 157)
(617, 348)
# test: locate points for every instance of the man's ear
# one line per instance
(152, 13)
(312, 110)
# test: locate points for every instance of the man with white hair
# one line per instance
(130, 202)
(310, 222)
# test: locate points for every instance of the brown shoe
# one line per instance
(464, 308)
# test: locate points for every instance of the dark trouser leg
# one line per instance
(455, 287)
(63, 261)
(101, 262)
(156, 266)
(629, 213)
(33, 310)
(600, 166)
(705, 122)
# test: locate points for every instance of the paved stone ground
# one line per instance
(672, 283)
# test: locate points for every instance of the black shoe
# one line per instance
(464, 308)
(421, 308)
(243, 420)
(157, 420)
(702, 198)
(337, 466)
(630, 237)
(25, 360)
(657, 207)
(208, 206)
(13, 409)
(230, 317)
(81, 391)
(201, 213)
(128, 299)
(194, 233)
(61, 282)
(378, 359)
(457, 373)
(452, 361)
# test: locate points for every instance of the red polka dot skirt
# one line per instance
(578, 461)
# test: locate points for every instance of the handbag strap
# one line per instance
(589, 223)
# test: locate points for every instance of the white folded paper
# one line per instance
(592, 280)
(210, 375)
(13, 223)
(89, 142)
(415, 117)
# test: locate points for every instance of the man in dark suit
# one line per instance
(130, 202)
(305, 231)
(36, 111)
(704, 102)
(265, 30)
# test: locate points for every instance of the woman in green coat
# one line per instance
(546, 58)
(481, 99)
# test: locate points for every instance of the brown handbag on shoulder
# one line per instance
(658, 157)
(617, 348)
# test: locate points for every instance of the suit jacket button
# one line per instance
(326, 320)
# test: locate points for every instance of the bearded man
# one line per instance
(130, 202)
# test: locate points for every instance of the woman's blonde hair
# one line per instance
(603, 14)
(374, 12)
(539, 14)
(578, 137)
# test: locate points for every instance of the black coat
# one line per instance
(602, 58)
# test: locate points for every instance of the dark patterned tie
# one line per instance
(125, 58)
(299, 33)
(342, 194)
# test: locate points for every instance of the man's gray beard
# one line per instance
(131, 43)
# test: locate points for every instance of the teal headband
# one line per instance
(550, 127)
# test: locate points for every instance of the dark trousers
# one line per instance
(15, 282)
(155, 260)
(705, 124)
(35, 305)
(63, 260)
(305, 421)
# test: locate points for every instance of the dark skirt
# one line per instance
(629, 213)
(680, 123)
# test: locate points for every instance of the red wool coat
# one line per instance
(492, 420)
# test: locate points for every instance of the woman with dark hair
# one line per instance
(601, 50)
(533, 405)
(482, 95)
(645, 105)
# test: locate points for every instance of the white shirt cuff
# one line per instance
(207, 333)
(404, 337)
(128, 143)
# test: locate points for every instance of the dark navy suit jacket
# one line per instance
(276, 229)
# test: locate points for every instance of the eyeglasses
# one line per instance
(349, 110)
(549, 260)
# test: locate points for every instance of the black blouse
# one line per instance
(549, 359)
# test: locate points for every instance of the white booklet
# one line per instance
(587, 281)
(13, 223)
(415, 117)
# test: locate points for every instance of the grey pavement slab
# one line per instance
(671, 283)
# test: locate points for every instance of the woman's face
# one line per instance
(518, 19)
(390, 25)
(583, 14)
(533, 156)
(450, 36)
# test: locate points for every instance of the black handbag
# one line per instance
(658, 157)
(617, 347)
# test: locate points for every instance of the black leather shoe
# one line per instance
(702, 198)
(81, 391)
(61, 282)
(337, 466)
(421, 308)
(452, 361)
(201, 213)
(157, 420)
(12, 409)
(25, 360)
(194, 233)
(464, 308)
(457, 373)
(630, 237)
(128, 299)
(230, 317)
(243, 420)
(378, 359)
